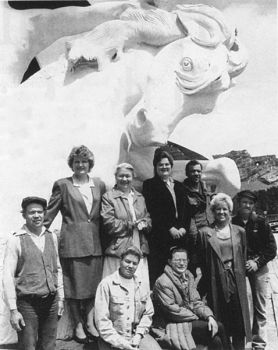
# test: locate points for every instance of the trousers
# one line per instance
(201, 335)
(40, 316)
(147, 343)
(259, 286)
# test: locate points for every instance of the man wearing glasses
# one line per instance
(180, 310)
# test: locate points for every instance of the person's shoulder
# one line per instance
(206, 230)
(108, 280)
(161, 282)
(149, 181)
(111, 194)
(179, 184)
(237, 228)
(63, 181)
(98, 181)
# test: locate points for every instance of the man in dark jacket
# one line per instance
(261, 248)
(197, 213)
(179, 309)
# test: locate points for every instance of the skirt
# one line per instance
(112, 264)
(81, 276)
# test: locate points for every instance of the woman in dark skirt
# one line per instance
(78, 199)
(222, 256)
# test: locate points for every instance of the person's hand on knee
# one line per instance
(212, 326)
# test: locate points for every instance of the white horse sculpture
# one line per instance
(120, 89)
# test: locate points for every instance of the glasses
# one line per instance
(180, 261)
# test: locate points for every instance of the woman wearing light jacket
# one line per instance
(125, 223)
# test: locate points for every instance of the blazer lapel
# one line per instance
(215, 243)
(77, 194)
(235, 242)
(96, 195)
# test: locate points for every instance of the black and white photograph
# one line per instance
(139, 175)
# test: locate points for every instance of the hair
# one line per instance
(159, 154)
(126, 166)
(132, 250)
(190, 164)
(221, 197)
(176, 249)
(84, 152)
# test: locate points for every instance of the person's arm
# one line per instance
(165, 298)
(60, 287)
(10, 265)
(111, 224)
(144, 222)
(146, 319)
(268, 252)
(199, 308)
(54, 205)
(103, 322)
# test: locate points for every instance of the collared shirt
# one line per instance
(86, 192)
(12, 255)
(170, 186)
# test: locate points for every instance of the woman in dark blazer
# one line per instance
(78, 199)
(165, 202)
(222, 257)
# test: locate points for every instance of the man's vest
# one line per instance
(36, 271)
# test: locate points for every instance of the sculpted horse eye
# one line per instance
(187, 64)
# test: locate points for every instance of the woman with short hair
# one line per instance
(222, 256)
(166, 204)
(78, 199)
(126, 222)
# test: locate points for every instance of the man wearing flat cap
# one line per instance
(261, 248)
(33, 279)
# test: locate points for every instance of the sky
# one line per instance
(245, 117)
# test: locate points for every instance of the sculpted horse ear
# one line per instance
(237, 59)
(205, 25)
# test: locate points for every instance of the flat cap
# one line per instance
(28, 200)
(248, 194)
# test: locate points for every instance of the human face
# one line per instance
(246, 206)
(128, 266)
(124, 179)
(80, 166)
(34, 216)
(222, 213)
(179, 262)
(163, 168)
(195, 173)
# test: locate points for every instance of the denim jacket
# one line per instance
(111, 311)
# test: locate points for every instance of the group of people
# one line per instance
(126, 262)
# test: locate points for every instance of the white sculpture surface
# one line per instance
(121, 89)
(152, 66)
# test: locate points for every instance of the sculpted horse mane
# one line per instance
(122, 87)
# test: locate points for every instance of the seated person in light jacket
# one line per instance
(180, 311)
(123, 308)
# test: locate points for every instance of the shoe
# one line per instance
(81, 340)
(90, 336)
